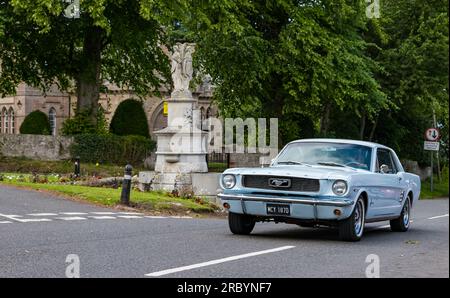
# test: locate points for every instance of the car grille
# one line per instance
(296, 184)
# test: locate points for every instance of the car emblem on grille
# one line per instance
(279, 182)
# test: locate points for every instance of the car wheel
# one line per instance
(352, 228)
(240, 224)
(401, 224)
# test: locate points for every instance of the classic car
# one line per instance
(316, 182)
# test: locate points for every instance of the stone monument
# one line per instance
(181, 146)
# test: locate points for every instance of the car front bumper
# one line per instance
(303, 208)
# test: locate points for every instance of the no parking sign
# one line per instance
(432, 136)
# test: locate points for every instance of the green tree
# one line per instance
(110, 41)
(35, 123)
(298, 61)
(130, 119)
(415, 59)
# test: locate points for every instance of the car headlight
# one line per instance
(228, 181)
(339, 187)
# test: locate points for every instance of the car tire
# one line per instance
(240, 224)
(402, 223)
(352, 228)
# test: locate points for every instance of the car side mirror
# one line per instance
(384, 169)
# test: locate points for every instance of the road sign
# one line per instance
(432, 134)
(431, 146)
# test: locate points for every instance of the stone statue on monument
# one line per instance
(182, 69)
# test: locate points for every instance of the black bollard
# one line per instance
(77, 167)
(126, 186)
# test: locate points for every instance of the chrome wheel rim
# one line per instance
(406, 214)
(359, 218)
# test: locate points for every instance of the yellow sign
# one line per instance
(165, 108)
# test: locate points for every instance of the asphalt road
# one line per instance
(38, 232)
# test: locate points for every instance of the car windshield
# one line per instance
(326, 154)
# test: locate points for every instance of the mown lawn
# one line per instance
(147, 201)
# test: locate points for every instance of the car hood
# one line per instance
(303, 171)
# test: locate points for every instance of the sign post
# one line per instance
(432, 136)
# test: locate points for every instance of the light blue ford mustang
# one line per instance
(332, 182)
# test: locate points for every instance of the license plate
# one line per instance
(277, 209)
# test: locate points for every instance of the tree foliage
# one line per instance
(294, 60)
(35, 123)
(110, 41)
(130, 119)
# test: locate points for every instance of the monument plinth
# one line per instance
(181, 146)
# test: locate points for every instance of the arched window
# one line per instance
(5, 120)
(52, 119)
(12, 121)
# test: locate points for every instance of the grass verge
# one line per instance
(440, 189)
(158, 202)
(24, 165)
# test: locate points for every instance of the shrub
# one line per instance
(36, 123)
(82, 124)
(130, 119)
(112, 149)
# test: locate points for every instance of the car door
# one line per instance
(387, 184)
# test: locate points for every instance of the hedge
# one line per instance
(35, 123)
(111, 149)
(130, 119)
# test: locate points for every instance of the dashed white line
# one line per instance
(439, 216)
(152, 216)
(218, 261)
(129, 216)
(42, 214)
(71, 218)
(15, 218)
(130, 213)
(103, 217)
(5, 222)
(32, 220)
(73, 213)
(103, 213)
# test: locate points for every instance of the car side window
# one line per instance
(384, 158)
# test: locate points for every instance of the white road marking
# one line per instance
(73, 213)
(103, 213)
(103, 217)
(131, 213)
(15, 218)
(151, 216)
(5, 222)
(71, 218)
(439, 216)
(129, 216)
(42, 214)
(218, 261)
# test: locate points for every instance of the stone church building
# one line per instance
(59, 106)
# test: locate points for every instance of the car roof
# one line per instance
(342, 141)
